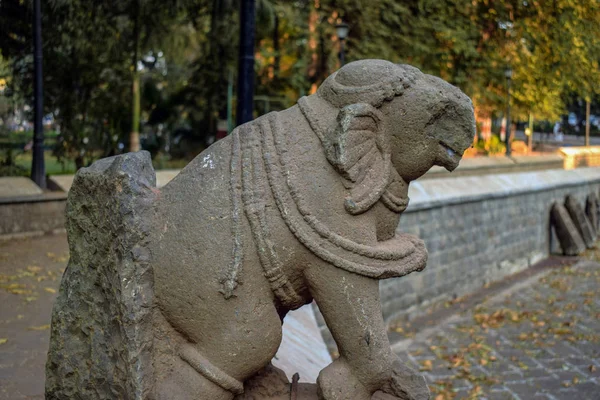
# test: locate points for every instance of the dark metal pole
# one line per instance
(507, 138)
(342, 55)
(38, 169)
(245, 89)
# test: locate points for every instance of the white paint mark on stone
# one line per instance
(207, 161)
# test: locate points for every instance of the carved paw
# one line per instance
(336, 382)
(406, 383)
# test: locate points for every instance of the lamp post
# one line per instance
(38, 169)
(342, 30)
(245, 89)
(508, 75)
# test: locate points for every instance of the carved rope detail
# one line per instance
(392, 258)
(230, 280)
(254, 195)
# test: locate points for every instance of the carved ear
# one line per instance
(359, 150)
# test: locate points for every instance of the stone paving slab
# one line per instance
(30, 271)
(302, 348)
(539, 339)
(18, 186)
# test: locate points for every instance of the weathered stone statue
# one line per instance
(192, 282)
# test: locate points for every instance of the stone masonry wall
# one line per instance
(473, 243)
(32, 215)
(477, 230)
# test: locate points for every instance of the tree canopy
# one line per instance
(184, 54)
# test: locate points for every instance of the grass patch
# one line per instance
(53, 166)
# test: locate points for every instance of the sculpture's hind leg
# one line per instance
(209, 336)
(183, 382)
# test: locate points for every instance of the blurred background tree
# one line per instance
(163, 73)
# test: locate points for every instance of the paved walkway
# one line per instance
(30, 271)
(538, 339)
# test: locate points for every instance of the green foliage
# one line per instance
(493, 146)
(185, 52)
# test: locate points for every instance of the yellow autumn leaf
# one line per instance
(39, 328)
(426, 365)
(33, 268)
(50, 290)
(3, 340)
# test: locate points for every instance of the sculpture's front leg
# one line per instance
(351, 308)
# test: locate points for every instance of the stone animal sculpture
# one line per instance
(296, 206)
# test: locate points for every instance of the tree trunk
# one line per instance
(587, 121)
(530, 137)
(79, 162)
(276, 49)
(134, 136)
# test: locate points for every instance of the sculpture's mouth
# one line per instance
(448, 157)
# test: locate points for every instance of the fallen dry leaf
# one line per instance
(39, 328)
(3, 340)
(50, 290)
(426, 365)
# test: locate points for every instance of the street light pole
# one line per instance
(342, 29)
(245, 89)
(508, 74)
(38, 169)
(587, 122)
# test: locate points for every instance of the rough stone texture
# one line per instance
(591, 211)
(101, 337)
(581, 221)
(568, 235)
(296, 206)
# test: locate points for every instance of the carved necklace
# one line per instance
(396, 257)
